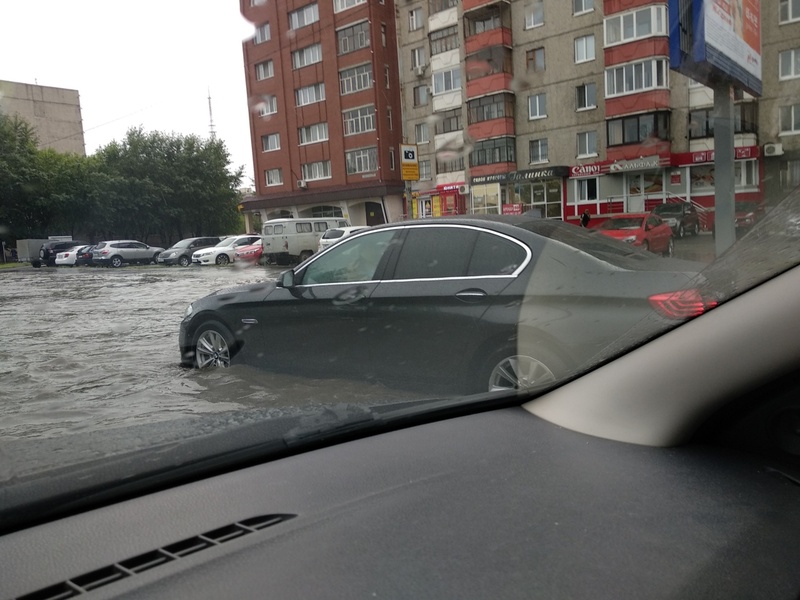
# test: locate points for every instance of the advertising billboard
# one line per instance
(717, 41)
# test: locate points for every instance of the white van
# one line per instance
(294, 240)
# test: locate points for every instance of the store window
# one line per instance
(485, 199)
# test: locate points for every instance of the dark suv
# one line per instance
(49, 250)
(680, 216)
(181, 253)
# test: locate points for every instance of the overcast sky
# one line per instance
(142, 62)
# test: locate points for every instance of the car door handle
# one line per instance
(472, 295)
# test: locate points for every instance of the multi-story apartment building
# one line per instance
(568, 105)
(325, 109)
(55, 113)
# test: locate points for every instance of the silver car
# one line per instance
(116, 252)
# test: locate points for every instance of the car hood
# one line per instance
(618, 234)
(253, 292)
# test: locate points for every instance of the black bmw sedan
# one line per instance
(449, 305)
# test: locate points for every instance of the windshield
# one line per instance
(485, 148)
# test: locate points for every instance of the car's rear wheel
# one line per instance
(223, 259)
(213, 346)
(116, 262)
(184, 261)
(155, 258)
(670, 251)
(646, 246)
(305, 254)
(696, 229)
(681, 230)
(512, 370)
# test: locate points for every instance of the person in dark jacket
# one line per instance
(585, 218)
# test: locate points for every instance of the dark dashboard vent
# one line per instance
(88, 582)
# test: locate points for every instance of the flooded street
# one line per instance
(85, 349)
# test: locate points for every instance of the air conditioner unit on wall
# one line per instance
(301, 183)
(773, 149)
(419, 70)
(463, 189)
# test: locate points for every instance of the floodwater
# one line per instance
(85, 349)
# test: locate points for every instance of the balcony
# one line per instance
(501, 36)
(473, 4)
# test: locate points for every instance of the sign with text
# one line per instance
(409, 163)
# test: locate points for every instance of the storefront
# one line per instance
(445, 200)
(538, 190)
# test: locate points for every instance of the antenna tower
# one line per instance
(211, 118)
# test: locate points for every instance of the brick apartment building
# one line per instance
(326, 119)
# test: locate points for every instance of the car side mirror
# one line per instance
(287, 279)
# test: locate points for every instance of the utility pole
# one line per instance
(211, 131)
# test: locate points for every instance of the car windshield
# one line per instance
(486, 148)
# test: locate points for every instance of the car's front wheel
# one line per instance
(696, 229)
(184, 261)
(681, 230)
(223, 259)
(670, 251)
(116, 261)
(213, 346)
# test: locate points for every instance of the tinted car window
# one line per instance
(332, 234)
(435, 252)
(494, 255)
(355, 260)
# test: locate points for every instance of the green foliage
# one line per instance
(149, 184)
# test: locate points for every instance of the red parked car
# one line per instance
(250, 254)
(646, 230)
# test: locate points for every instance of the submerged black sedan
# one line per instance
(469, 304)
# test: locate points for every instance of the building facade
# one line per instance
(325, 119)
(54, 112)
(571, 105)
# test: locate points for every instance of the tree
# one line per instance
(19, 179)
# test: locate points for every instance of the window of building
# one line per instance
(268, 106)
(323, 211)
(498, 150)
(262, 34)
(745, 174)
(790, 174)
(538, 151)
(355, 79)
(745, 120)
(340, 5)
(313, 133)
(421, 95)
(586, 189)
(391, 159)
(389, 121)
(586, 96)
(444, 40)
(450, 165)
(386, 75)
(424, 170)
(637, 77)
(587, 144)
(584, 48)
(383, 34)
(352, 38)
(418, 58)
(789, 64)
(487, 21)
(534, 14)
(636, 24)
(363, 160)
(790, 118)
(534, 59)
(415, 19)
(421, 133)
(789, 10)
(485, 199)
(440, 5)
(307, 56)
(450, 121)
(359, 120)
(488, 61)
(310, 94)
(264, 70)
(271, 142)
(488, 108)
(582, 6)
(537, 106)
(316, 170)
(447, 81)
(638, 128)
(274, 177)
(304, 16)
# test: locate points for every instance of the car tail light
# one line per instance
(683, 304)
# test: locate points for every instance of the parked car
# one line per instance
(294, 240)
(68, 257)
(50, 249)
(225, 252)
(645, 230)
(115, 253)
(747, 214)
(381, 286)
(251, 254)
(331, 236)
(84, 256)
(681, 216)
(181, 252)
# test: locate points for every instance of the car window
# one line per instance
(320, 226)
(348, 261)
(435, 252)
(278, 229)
(303, 227)
(332, 234)
(494, 255)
